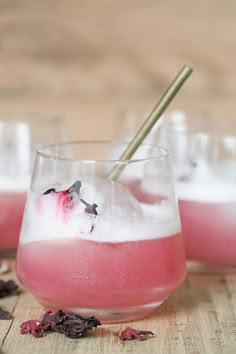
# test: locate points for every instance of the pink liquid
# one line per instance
(209, 231)
(11, 212)
(78, 273)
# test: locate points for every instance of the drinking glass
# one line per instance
(20, 136)
(204, 162)
(100, 246)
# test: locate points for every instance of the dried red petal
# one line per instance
(51, 190)
(33, 327)
(5, 315)
(131, 334)
(67, 198)
(7, 287)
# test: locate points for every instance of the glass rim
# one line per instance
(29, 117)
(163, 152)
(165, 130)
(192, 125)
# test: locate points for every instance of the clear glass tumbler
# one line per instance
(96, 245)
(20, 136)
(204, 161)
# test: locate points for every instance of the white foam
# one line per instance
(207, 192)
(121, 219)
(14, 184)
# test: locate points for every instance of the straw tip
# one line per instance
(188, 68)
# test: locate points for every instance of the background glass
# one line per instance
(20, 136)
(90, 245)
(204, 160)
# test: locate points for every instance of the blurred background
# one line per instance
(87, 59)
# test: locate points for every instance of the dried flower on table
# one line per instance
(7, 287)
(67, 323)
(5, 315)
(33, 327)
(131, 334)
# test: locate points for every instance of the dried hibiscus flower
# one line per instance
(5, 315)
(131, 333)
(67, 323)
(90, 208)
(7, 287)
(68, 197)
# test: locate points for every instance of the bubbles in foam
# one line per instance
(120, 217)
(208, 183)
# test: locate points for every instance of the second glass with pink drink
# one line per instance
(204, 160)
(97, 245)
(20, 136)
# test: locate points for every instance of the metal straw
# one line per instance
(153, 117)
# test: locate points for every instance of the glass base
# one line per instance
(114, 315)
(203, 268)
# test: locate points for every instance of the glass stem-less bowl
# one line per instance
(88, 244)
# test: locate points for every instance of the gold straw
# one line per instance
(153, 117)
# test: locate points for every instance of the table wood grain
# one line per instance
(199, 318)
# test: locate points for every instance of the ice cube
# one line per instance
(113, 200)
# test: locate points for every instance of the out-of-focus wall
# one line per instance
(86, 58)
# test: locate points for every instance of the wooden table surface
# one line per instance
(88, 60)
